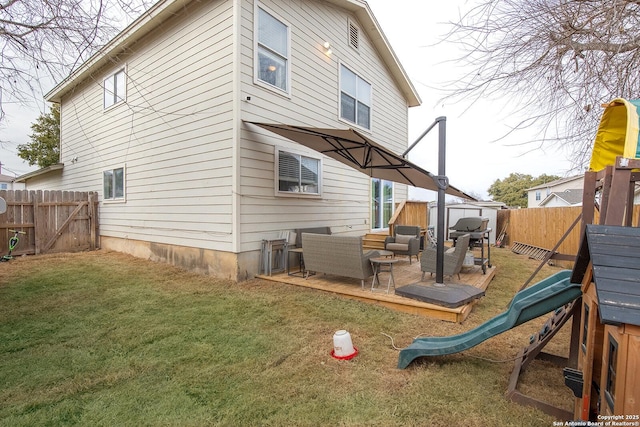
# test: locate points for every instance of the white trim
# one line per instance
(122, 69)
(236, 201)
(340, 118)
(352, 23)
(165, 9)
(123, 199)
(256, 79)
(276, 169)
(393, 204)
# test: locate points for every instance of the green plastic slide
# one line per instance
(541, 298)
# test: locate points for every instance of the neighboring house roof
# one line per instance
(165, 9)
(54, 167)
(6, 178)
(472, 204)
(556, 182)
(615, 255)
(570, 197)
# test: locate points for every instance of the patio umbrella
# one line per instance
(352, 148)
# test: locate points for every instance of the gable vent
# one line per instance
(353, 35)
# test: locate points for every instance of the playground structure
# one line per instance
(603, 365)
(541, 298)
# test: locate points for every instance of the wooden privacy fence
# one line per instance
(55, 221)
(409, 213)
(543, 227)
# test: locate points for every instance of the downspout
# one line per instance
(236, 134)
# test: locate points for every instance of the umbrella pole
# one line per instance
(442, 183)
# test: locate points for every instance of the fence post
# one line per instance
(35, 206)
(92, 219)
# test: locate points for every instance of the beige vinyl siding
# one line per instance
(173, 134)
(345, 204)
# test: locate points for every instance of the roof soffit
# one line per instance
(379, 40)
(147, 22)
(164, 9)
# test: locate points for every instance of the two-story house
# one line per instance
(157, 122)
(561, 192)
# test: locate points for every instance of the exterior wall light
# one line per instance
(327, 48)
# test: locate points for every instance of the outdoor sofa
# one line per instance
(314, 230)
(337, 255)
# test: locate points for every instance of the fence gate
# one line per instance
(55, 221)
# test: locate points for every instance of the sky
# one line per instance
(476, 156)
(14, 130)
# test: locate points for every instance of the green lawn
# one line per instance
(106, 339)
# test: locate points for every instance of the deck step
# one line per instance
(373, 241)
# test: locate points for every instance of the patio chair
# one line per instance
(405, 241)
(453, 258)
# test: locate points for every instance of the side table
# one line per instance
(302, 271)
(385, 253)
(382, 265)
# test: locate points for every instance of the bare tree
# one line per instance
(557, 60)
(46, 39)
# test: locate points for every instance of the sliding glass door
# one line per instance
(381, 203)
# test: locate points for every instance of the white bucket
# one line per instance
(469, 260)
(342, 345)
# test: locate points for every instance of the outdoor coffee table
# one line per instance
(382, 265)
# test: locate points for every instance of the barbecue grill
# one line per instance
(477, 228)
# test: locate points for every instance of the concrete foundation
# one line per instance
(224, 265)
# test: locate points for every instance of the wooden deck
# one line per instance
(404, 274)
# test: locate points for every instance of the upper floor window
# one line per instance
(538, 195)
(272, 50)
(115, 89)
(297, 173)
(355, 98)
(113, 184)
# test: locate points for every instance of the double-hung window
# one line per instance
(115, 89)
(113, 184)
(298, 174)
(272, 50)
(355, 98)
